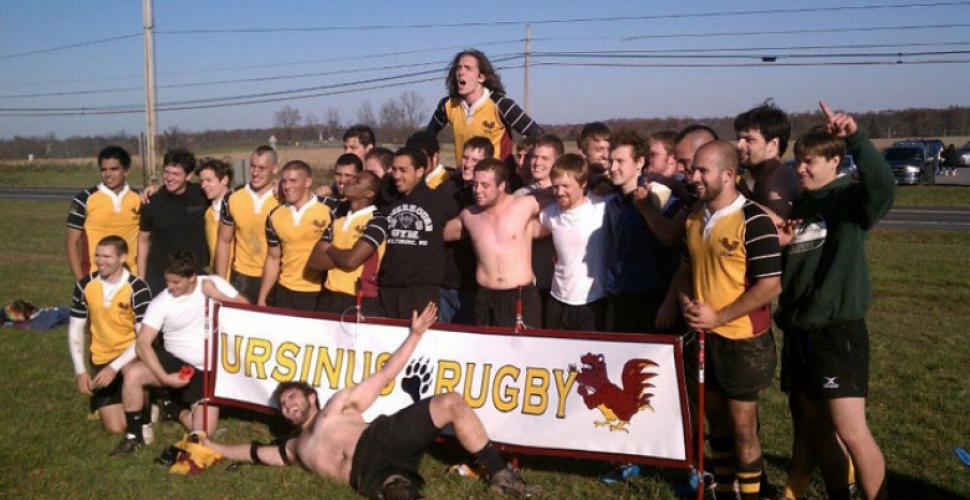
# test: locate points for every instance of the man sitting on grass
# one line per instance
(380, 459)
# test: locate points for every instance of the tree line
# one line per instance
(395, 118)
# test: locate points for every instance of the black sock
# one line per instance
(133, 419)
(490, 459)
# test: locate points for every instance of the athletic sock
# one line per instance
(749, 480)
(490, 459)
(797, 485)
(722, 461)
(133, 419)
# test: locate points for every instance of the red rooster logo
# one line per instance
(618, 405)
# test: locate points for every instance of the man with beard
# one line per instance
(762, 139)
(379, 459)
(725, 286)
(501, 227)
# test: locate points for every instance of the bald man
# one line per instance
(725, 285)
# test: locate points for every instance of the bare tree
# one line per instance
(412, 105)
(333, 122)
(392, 120)
(287, 119)
(365, 115)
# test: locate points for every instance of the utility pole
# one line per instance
(150, 118)
(528, 60)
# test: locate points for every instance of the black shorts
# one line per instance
(828, 362)
(106, 396)
(185, 396)
(498, 307)
(392, 445)
(341, 303)
(587, 317)
(291, 299)
(634, 312)
(399, 301)
(739, 369)
(247, 286)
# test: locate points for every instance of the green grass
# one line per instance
(946, 196)
(918, 405)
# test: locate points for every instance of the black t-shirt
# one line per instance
(415, 245)
(462, 252)
(176, 222)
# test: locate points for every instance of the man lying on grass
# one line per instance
(380, 459)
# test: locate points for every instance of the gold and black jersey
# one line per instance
(98, 212)
(111, 319)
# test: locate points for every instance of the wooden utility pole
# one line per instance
(150, 118)
(528, 59)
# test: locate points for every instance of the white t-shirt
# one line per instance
(182, 319)
(582, 246)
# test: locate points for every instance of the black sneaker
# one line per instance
(399, 488)
(507, 482)
(126, 446)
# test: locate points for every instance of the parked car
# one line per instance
(964, 153)
(909, 163)
(847, 167)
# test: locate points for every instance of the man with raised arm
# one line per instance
(501, 227)
(822, 308)
(379, 459)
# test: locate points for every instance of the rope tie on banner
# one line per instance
(358, 311)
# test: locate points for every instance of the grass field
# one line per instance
(918, 410)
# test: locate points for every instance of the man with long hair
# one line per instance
(476, 105)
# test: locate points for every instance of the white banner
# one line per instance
(565, 393)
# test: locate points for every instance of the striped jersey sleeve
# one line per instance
(272, 239)
(439, 119)
(79, 209)
(514, 117)
(375, 232)
(760, 243)
(141, 296)
(79, 304)
(225, 216)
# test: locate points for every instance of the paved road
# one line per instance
(913, 217)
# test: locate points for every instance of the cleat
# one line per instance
(507, 482)
(126, 446)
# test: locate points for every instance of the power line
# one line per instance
(71, 46)
(469, 24)
(802, 31)
(748, 65)
(614, 55)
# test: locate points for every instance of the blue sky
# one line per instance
(558, 94)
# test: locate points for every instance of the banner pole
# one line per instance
(359, 299)
(518, 313)
(205, 370)
(700, 417)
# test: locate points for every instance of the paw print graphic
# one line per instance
(417, 378)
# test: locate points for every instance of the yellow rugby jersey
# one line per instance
(493, 116)
(728, 251)
(440, 174)
(98, 212)
(297, 232)
(111, 319)
(246, 211)
(212, 219)
(368, 225)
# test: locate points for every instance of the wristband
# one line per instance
(254, 453)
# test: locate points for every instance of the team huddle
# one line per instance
(675, 232)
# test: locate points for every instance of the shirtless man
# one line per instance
(501, 227)
(380, 459)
